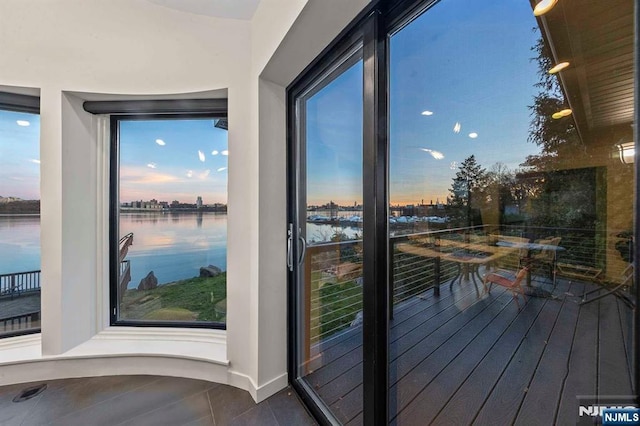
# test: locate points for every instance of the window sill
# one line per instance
(115, 342)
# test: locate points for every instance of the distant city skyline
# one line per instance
(19, 155)
(173, 159)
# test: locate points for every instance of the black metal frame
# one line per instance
(158, 106)
(376, 23)
(636, 223)
(114, 181)
(19, 103)
(306, 87)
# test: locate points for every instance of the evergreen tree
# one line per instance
(468, 192)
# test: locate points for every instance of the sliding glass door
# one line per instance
(488, 151)
(327, 232)
(507, 206)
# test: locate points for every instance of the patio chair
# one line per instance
(545, 258)
(513, 285)
(620, 290)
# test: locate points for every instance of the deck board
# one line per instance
(468, 399)
(502, 405)
(439, 390)
(546, 386)
(462, 359)
(582, 372)
(612, 360)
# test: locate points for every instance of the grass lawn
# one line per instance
(193, 299)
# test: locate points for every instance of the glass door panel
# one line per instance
(330, 219)
(511, 212)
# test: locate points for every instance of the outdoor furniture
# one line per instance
(513, 285)
(469, 257)
(618, 290)
(526, 247)
(581, 272)
(546, 257)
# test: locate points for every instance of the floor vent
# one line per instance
(29, 393)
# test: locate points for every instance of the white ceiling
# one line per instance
(233, 9)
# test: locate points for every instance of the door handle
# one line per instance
(304, 249)
(290, 247)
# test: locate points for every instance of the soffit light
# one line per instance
(627, 152)
(473, 135)
(560, 114)
(559, 67)
(22, 123)
(543, 7)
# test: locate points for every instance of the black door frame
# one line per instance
(372, 27)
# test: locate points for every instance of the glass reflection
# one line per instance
(511, 258)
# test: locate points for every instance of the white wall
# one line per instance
(72, 49)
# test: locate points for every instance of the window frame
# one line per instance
(14, 102)
(114, 202)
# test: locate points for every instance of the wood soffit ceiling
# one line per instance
(597, 38)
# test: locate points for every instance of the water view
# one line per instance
(19, 243)
(172, 245)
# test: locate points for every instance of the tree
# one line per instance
(467, 192)
(558, 139)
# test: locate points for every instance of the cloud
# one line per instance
(144, 176)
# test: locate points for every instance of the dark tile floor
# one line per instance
(147, 400)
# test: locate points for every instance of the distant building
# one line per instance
(199, 202)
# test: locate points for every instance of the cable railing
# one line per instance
(333, 271)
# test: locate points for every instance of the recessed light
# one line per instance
(23, 123)
(225, 152)
(543, 7)
(560, 114)
(214, 152)
(201, 156)
(427, 112)
(160, 142)
(473, 135)
(151, 165)
(457, 127)
(559, 67)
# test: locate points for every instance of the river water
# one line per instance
(172, 245)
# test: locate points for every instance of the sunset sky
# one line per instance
(19, 155)
(468, 65)
(173, 160)
(461, 82)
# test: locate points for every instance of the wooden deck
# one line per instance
(461, 359)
